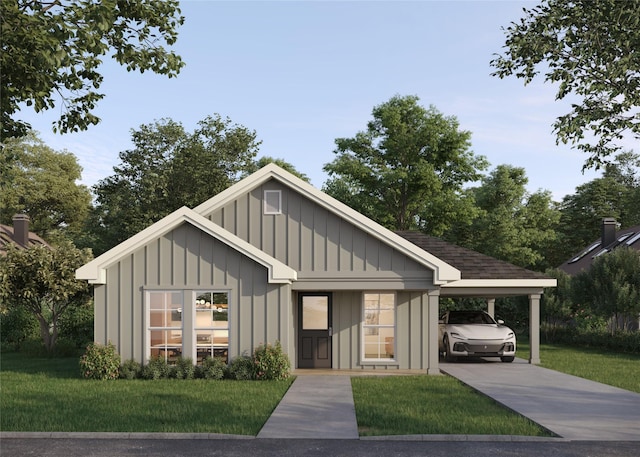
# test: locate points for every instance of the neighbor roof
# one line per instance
(7, 237)
(629, 237)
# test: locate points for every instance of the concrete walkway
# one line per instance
(571, 407)
(318, 407)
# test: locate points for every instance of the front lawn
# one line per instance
(409, 405)
(49, 395)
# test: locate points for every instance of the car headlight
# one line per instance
(510, 335)
(457, 335)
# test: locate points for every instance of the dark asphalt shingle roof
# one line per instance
(472, 264)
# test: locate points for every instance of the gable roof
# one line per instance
(95, 271)
(7, 237)
(443, 271)
(629, 237)
(478, 270)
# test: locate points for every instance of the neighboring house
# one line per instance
(610, 239)
(19, 235)
(274, 259)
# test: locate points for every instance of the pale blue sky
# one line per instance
(302, 73)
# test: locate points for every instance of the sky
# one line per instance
(303, 73)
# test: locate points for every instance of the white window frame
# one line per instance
(149, 328)
(207, 328)
(364, 327)
(268, 206)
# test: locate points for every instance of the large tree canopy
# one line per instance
(41, 182)
(590, 48)
(169, 168)
(52, 51)
(43, 282)
(407, 170)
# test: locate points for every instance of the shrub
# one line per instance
(33, 347)
(130, 369)
(242, 368)
(271, 362)
(213, 368)
(157, 368)
(184, 369)
(65, 348)
(100, 362)
(18, 325)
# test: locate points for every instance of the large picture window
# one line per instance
(165, 324)
(379, 326)
(212, 325)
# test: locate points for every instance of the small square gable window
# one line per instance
(272, 202)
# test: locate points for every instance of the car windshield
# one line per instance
(470, 317)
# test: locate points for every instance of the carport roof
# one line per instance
(472, 264)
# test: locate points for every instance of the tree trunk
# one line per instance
(47, 338)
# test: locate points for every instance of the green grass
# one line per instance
(407, 405)
(49, 395)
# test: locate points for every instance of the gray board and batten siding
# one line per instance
(188, 259)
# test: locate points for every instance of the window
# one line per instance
(379, 326)
(165, 324)
(272, 202)
(212, 325)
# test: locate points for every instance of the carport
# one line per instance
(485, 277)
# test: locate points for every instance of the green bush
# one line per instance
(130, 369)
(242, 368)
(271, 362)
(213, 368)
(65, 348)
(33, 347)
(619, 341)
(157, 368)
(184, 369)
(16, 326)
(100, 362)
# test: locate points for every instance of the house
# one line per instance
(272, 258)
(609, 240)
(19, 235)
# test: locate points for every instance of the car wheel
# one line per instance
(507, 359)
(447, 350)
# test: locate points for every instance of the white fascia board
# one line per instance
(443, 272)
(505, 283)
(95, 271)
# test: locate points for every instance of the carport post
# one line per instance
(534, 328)
(491, 307)
(433, 354)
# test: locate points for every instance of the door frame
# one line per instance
(321, 340)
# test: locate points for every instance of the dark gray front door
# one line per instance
(314, 336)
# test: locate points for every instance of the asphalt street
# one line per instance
(15, 447)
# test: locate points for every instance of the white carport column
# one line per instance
(534, 328)
(491, 307)
(432, 349)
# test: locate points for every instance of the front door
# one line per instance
(314, 336)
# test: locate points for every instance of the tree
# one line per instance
(41, 182)
(512, 225)
(266, 160)
(169, 168)
(588, 47)
(407, 170)
(52, 50)
(42, 281)
(611, 287)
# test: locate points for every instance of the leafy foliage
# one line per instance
(42, 281)
(242, 368)
(169, 168)
(40, 182)
(407, 170)
(156, 368)
(18, 325)
(588, 47)
(184, 369)
(100, 362)
(130, 369)
(213, 368)
(271, 363)
(611, 287)
(52, 50)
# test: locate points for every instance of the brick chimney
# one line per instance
(21, 229)
(608, 231)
